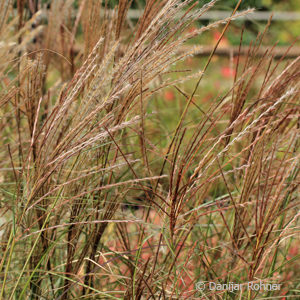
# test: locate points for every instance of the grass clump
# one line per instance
(101, 199)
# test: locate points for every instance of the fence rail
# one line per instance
(218, 14)
(230, 51)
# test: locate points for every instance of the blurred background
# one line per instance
(283, 31)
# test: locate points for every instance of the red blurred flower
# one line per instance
(293, 251)
(227, 72)
(169, 95)
(192, 29)
(224, 41)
